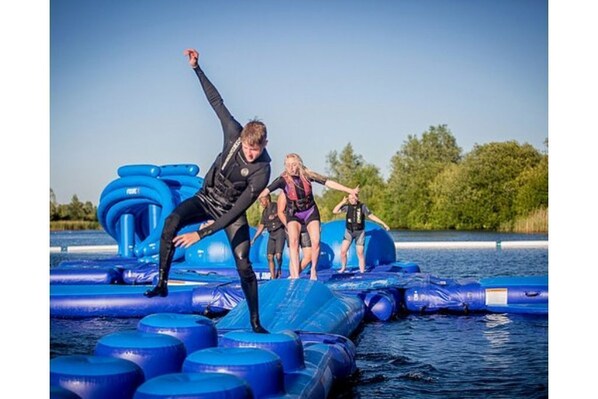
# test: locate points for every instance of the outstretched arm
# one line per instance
(337, 208)
(229, 125)
(248, 197)
(278, 183)
(264, 192)
(378, 220)
(337, 186)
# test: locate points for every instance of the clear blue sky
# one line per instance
(320, 74)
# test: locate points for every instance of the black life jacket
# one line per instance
(355, 217)
(272, 222)
(218, 188)
(294, 202)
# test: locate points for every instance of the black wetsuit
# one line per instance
(230, 186)
(275, 229)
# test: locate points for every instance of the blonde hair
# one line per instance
(303, 170)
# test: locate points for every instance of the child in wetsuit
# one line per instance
(276, 234)
(355, 228)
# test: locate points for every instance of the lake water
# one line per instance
(436, 356)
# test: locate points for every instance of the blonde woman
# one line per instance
(301, 208)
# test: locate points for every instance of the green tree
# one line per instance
(89, 212)
(413, 169)
(532, 188)
(447, 191)
(75, 209)
(350, 169)
(53, 206)
(254, 214)
(487, 184)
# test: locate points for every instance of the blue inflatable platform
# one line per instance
(178, 352)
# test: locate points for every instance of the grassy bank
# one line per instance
(535, 222)
(61, 225)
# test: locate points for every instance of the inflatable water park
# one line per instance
(197, 341)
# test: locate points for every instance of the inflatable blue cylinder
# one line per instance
(195, 331)
(96, 377)
(138, 170)
(379, 305)
(525, 294)
(194, 385)
(179, 170)
(127, 235)
(154, 216)
(156, 354)
(261, 368)
(286, 345)
(92, 275)
(61, 393)
(451, 297)
(215, 252)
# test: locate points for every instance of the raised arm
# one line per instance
(337, 208)
(229, 125)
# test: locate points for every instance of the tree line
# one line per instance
(76, 215)
(74, 211)
(432, 185)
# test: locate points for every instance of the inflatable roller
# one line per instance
(96, 377)
(194, 385)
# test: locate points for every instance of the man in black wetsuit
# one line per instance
(276, 234)
(241, 171)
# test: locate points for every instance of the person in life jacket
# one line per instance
(304, 241)
(276, 235)
(357, 212)
(301, 208)
(233, 182)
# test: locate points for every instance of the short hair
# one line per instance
(254, 133)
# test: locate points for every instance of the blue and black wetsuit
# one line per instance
(230, 186)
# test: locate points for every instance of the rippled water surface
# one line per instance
(435, 356)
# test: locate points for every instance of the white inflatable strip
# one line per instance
(472, 244)
(85, 249)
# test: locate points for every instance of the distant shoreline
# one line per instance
(63, 225)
